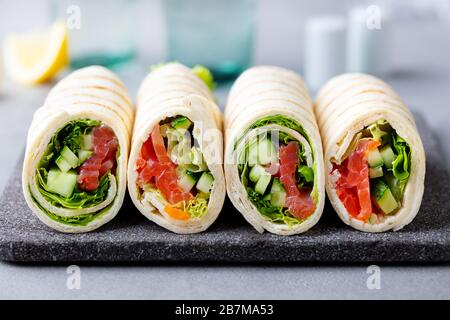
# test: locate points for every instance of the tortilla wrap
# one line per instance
(100, 96)
(258, 93)
(170, 91)
(346, 105)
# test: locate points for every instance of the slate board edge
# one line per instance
(423, 253)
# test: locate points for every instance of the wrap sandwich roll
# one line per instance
(374, 157)
(175, 167)
(74, 173)
(273, 152)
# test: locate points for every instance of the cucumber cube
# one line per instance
(86, 142)
(384, 197)
(187, 180)
(394, 185)
(278, 199)
(70, 157)
(278, 194)
(387, 202)
(375, 172)
(205, 182)
(62, 164)
(276, 186)
(256, 172)
(62, 183)
(253, 154)
(375, 159)
(83, 155)
(388, 156)
(267, 153)
(263, 183)
(263, 152)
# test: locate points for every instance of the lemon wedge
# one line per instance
(36, 57)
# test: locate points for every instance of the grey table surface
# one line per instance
(421, 77)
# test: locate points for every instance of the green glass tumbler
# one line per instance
(216, 34)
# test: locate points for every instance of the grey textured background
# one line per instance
(420, 74)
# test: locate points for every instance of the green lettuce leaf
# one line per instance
(401, 164)
(79, 199)
(305, 174)
(200, 71)
(80, 220)
(206, 75)
(280, 120)
(70, 135)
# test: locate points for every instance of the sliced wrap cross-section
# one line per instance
(374, 157)
(74, 173)
(175, 168)
(273, 152)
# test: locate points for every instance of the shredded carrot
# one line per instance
(373, 144)
(176, 213)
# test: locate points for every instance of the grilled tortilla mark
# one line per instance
(103, 106)
(294, 86)
(88, 95)
(103, 88)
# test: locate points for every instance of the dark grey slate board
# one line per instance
(130, 237)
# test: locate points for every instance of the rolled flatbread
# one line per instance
(175, 167)
(273, 152)
(74, 172)
(374, 157)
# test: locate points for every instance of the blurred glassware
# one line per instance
(368, 32)
(216, 34)
(101, 32)
(325, 49)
